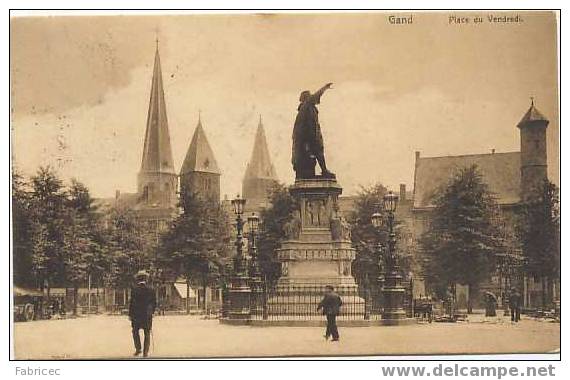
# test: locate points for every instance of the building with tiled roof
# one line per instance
(501, 172)
(511, 176)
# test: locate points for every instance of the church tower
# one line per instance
(533, 151)
(260, 174)
(200, 174)
(157, 179)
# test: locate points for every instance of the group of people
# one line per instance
(58, 307)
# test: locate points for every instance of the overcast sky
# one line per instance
(80, 90)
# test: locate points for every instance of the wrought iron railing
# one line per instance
(300, 301)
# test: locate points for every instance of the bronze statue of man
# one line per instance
(308, 144)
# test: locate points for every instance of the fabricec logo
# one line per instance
(28, 371)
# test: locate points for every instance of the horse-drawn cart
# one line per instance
(27, 304)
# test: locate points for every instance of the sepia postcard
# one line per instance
(284, 184)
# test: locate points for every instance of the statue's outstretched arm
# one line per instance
(317, 95)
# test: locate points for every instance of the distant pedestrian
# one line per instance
(490, 305)
(62, 310)
(141, 309)
(515, 305)
(55, 307)
(330, 304)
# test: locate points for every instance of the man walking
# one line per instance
(330, 304)
(141, 308)
(515, 305)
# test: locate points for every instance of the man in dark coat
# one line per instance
(330, 304)
(307, 138)
(141, 308)
(515, 305)
(490, 305)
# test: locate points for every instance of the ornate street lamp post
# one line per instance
(256, 282)
(239, 292)
(393, 290)
(253, 223)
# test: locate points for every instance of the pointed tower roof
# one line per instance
(532, 115)
(260, 165)
(157, 153)
(200, 157)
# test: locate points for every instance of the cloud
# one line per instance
(81, 87)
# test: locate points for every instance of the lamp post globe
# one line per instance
(390, 202)
(253, 221)
(377, 219)
(238, 203)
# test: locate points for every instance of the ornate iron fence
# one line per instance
(300, 302)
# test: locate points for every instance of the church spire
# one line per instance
(200, 156)
(260, 165)
(260, 177)
(157, 153)
(200, 175)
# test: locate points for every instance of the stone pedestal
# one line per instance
(318, 249)
(239, 292)
(393, 292)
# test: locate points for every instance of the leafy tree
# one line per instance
(129, 245)
(47, 211)
(366, 238)
(83, 240)
(86, 213)
(462, 239)
(22, 232)
(196, 247)
(76, 246)
(539, 231)
(272, 230)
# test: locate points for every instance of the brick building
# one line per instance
(512, 177)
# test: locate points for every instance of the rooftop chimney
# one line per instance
(417, 154)
(402, 192)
